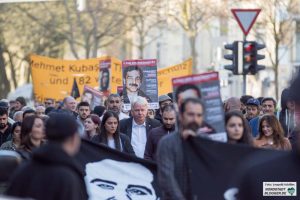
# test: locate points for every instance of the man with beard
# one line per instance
(84, 111)
(114, 104)
(172, 170)
(252, 107)
(163, 101)
(169, 120)
(133, 78)
(4, 126)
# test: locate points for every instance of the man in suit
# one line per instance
(138, 126)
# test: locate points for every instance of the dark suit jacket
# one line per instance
(127, 148)
(126, 126)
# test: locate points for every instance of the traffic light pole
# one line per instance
(244, 76)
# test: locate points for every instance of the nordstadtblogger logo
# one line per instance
(291, 191)
(280, 189)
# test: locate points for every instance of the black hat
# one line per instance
(60, 126)
(253, 101)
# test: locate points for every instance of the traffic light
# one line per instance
(250, 57)
(259, 57)
(235, 57)
(232, 57)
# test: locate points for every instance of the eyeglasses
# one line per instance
(47, 103)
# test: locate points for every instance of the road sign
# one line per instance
(245, 18)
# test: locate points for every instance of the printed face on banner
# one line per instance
(104, 75)
(206, 117)
(93, 97)
(121, 180)
(140, 79)
(87, 96)
(133, 81)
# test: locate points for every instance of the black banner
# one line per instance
(111, 174)
(215, 167)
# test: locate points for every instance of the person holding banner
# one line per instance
(133, 78)
(172, 170)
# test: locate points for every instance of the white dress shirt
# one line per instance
(111, 143)
(138, 138)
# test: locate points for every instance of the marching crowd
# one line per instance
(150, 134)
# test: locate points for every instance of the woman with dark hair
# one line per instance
(287, 113)
(110, 134)
(271, 134)
(16, 138)
(32, 135)
(237, 128)
(92, 126)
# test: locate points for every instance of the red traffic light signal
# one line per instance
(250, 57)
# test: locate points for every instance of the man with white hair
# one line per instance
(18, 116)
(40, 111)
(138, 126)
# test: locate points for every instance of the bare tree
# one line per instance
(192, 16)
(277, 19)
(144, 20)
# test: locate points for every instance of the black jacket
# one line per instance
(127, 148)
(126, 126)
(152, 141)
(6, 135)
(51, 174)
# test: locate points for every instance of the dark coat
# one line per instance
(51, 174)
(152, 141)
(126, 126)
(127, 148)
(6, 135)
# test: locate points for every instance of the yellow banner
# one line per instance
(116, 75)
(165, 75)
(53, 78)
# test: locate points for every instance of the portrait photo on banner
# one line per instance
(93, 97)
(207, 88)
(140, 79)
(104, 75)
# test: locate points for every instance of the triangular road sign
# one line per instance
(245, 18)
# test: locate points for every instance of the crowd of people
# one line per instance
(149, 134)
